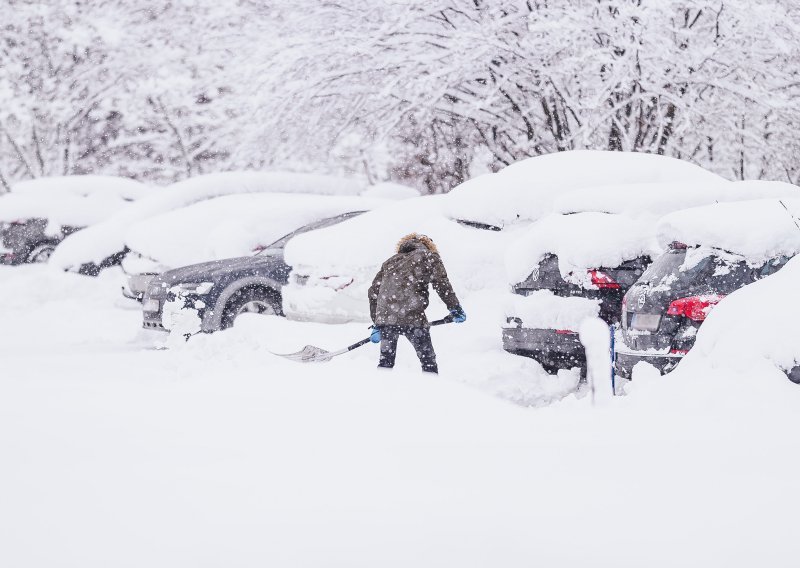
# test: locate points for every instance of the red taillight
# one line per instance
(566, 332)
(679, 351)
(695, 308)
(603, 280)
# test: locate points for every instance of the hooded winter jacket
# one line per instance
(399, 292)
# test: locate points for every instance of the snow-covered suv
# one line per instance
(663, 311)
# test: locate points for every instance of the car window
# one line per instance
(321, 224)
(727, 276)
(772, 266)
(478, 225)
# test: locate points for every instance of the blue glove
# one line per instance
(459, 316)
(375, 337)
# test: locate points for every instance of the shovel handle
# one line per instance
(356, 345)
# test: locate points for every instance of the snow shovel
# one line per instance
(311, 354)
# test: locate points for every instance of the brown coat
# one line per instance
(399, 292)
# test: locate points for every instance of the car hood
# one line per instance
(264, 265)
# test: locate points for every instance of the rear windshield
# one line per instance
(701, 269)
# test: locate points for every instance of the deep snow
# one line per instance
(217, 453)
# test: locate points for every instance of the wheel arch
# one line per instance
(212, 319)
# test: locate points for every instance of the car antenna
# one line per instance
(790, 214)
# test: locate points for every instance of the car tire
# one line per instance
(40, 253)
(794, 374)
(263, 301)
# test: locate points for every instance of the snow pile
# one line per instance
(528, 189)
(756, 329)
(108, 238)
(581, 241)
(73, 201)
(232, 225)
(544, 310)
(657, 199)
(758, 229)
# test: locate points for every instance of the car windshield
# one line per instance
(321, 224)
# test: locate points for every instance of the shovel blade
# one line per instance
(309, 354)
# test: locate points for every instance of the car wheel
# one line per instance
(40, 253)
(794, 374)
(251, 301)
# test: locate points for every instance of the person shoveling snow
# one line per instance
(398, 298)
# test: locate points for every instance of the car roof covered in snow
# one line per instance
(76, 201)
(756, 229)
(108, 238)
(232, 225)
(581, 241)
(664, 197)
(527, 190)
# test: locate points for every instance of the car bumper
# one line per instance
(554, 349)
(627, 360)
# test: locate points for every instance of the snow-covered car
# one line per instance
(209, 296)
(222, 228)
(713, 251)
(106, 240)
(594, 251)
(755, 330)
(38, 214)
(333, 267)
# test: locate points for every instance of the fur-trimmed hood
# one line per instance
(414, 241)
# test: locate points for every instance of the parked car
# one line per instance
(213, 294)
(38, 214)
(589, 258)
(334, 267)
(722, 248)
(85, 251)
(222, 228)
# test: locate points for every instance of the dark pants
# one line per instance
(420, 338)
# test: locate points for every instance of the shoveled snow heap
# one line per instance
(757, 229)
(108, 238)
(232, 225)
(757, 328)
(581, 241)
(527, 190)
(74, 201)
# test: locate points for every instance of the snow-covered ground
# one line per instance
(217, 453)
